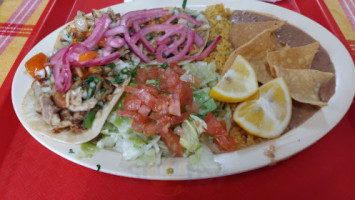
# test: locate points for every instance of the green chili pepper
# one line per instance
(89, 117)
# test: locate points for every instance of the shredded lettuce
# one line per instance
(192, 129)
(118, 135)
(190, 137)
(203, 161)
(225, 114)
(207, 72)
(200, 124)
(207, 104)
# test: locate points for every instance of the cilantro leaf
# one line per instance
(184, 4)
(98, 167)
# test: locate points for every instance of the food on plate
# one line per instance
(237, 84)
(219, 19)
(242, 33)
(171, 82)
(290, 41)
(267, 113)
(304, 83)
(294, 58)
(255, 51)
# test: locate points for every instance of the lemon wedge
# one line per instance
(267, 113)
(237, 84)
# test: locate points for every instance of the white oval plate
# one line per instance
(236, 162)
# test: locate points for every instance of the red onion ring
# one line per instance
(206, 51)
(115, 30)
(132, 14)
(184, 16)
(180, 55)
(100, 27)
(62, 74)
(199, 40)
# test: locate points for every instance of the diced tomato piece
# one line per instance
(177, 69)
(156, 116)
(171, 140)
(186, 97)
(144, 110)
(164, 120)
(162, 105)
(137, 126)
(147, 98)
(131, 102)
(141, 118)
(173, 80)
(174, 106)
(220, 134)
(180, 119)
(225, 142)
(125, 113)
(149, 88)
(168, 81)
(141, 76)
(130, 89)
(154, 73)
(136, 116)
(150, 128)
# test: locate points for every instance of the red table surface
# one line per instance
(326, 170)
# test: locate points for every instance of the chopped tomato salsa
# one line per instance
(156, 110)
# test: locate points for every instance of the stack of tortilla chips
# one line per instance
(256, 42)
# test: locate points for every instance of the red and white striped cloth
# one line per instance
(15, 25)
(349, 10)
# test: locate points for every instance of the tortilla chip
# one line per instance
(255, 52)
(30, 105)
(241, 33)
(292, 58)
(304, 84)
